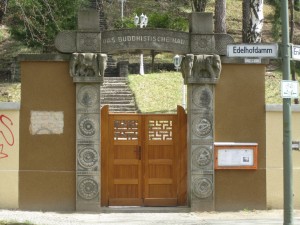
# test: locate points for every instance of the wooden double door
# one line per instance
(144, 160)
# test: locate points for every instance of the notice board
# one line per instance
(232, 155)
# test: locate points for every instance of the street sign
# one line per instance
(296, 52)
(289, 89)
(252, 50)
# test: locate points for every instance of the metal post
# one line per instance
(142, 64)
(287, 142)
(122, 8)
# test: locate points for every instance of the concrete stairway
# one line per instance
(116, 93)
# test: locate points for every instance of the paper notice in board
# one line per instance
(235, 157)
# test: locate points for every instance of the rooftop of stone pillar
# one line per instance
(201, 23)
(88, 20)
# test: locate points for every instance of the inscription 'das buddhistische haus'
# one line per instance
(121, 39)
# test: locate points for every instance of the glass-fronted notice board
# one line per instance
(233, 155)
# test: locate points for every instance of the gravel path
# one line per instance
(272, 217)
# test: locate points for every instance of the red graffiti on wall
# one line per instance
(6, 135)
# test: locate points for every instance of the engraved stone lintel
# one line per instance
(203, 44)
(88, 42)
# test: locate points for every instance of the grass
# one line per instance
(157, 92)
(162, 92)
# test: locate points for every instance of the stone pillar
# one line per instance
(201, 71)
(87, 70)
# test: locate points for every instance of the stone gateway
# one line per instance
(217, 86)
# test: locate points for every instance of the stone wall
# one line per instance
(9, 155)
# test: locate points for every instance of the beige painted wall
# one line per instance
(9, 155)
(275, 156)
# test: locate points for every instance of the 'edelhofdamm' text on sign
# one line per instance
(253, 50)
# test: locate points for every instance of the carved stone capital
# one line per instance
(88, 67)
(201, 69)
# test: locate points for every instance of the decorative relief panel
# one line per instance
(160, 130)
(202, 97)
(65, 41)
(88, 126)
(125, 130)
(88, 157)
(202, 127)
(201, 157)
(88, 42)
(88, 96)
(203, 44)
(202, 187)
(87, 187)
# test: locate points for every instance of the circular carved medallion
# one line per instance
(87, 126)
(202, 127)
(88, 157)
(201, 157)
(88, 188)
(202, 187)
(202, 97)
(87, 96)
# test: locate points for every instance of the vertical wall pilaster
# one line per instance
(87, 70)
(87, 146)
(200, 146)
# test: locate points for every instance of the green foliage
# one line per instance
(37, 22)
(276, 28)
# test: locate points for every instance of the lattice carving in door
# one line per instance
(160, 130)
(125, 130)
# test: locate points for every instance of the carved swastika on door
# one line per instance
(125, 130)
(160, 130)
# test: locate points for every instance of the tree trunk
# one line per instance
(256, 21)
(199, 5)
(220, 16)
(252, 21)
(246, 19)
(292, 28)
(3, 6)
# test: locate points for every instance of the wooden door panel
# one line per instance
(146, 160)
(125, 161)
(160, 161)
